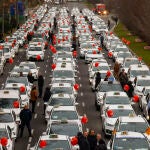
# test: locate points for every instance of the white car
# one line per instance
(33, 68)
(55, 142)
(62, 113)
(8, 53)
(127, 140)
(132, 123)
(136, 70)
(35, 51)
(108, 122)
(20, 70)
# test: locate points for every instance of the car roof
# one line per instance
(64, 108)
(61, 95)
(9, 93)
(128, 107)
(61, 85)
(116, 93)
(59, 137)
(132, 119)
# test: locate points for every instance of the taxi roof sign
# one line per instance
(124, 133)
(53, 136)
(6, 92)
(61, 94)
(116, 93)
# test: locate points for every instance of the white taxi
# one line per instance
(110, 114)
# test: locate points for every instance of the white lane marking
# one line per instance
(47, 60)
(48, 56)
(83, 104)
(44, 78)
(28, 147)
(80, 85)
(87, 129)
(46, 66)
(30, 139)
(79, 78)
(38, 104)
(81, 93)
(45, 71)
(35, 116)
(32, 131)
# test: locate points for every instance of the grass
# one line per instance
(137, 48)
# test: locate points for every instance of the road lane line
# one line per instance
(45, 71)
(32, 131)
(35, 116)
(30, 139)
(83, 104)
(80, 85)
(81, 93)
(38, 104)
(79, 78)
(28, 147)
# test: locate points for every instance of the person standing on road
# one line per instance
(100, 143)
(25, 117)
(33, 97)
(102, 40)
(131, 89)
(97, 79)
(30, 77)
(47, 95)
(108, 24)
(92, 139)
(40, 85)
(55, 23)
(116, 70)
(123, 78)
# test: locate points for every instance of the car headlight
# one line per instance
(147, 117)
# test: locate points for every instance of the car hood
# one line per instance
(111, 121)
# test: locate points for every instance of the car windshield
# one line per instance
(35, 49)
(56, 145)
(143, 82)
(121, 49)
(57, 90)
(124, 55)
(20, 70)
(100, 68)
(133, 126)
(3, 133)
(63, 74)
(131, 62)
(61, 101)
(60, 48)
(121, 112)
(64, 115)
(69, 129)
(117, 100)
(1, 53)
(87, 46)
(131, 144)
(6, 50)
(7, 102)
(37, 40)
(135, 73)
(30, 65)
(6, 118)
(23, 80)
(109, 87)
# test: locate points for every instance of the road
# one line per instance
(85, 99)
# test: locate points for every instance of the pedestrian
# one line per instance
(97, 79)
(108, 24)
(92, 139)
(55, 23)
(25, 117)
(116, 20)
(30, 77)
(131, 89)
(116, 69)
(40, 85)
(123, 78)
(100, 143)
(51, 37)
(46, 97)
(102, 40)
(33, 97)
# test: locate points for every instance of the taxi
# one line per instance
(105, 86)
(33, 68)
(17, 70)
(115, 98)
(33, 51)
(8, 53)
(64, 127)
(137, 70)
(6, 132)
(108, 121)
(92, 54)
(54, 141)
(128, 140)
(10, 121)
(132, 123)
(24, 95)
(62, 113)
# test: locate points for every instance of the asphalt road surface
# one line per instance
(85, 99)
